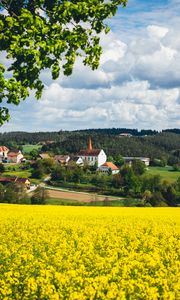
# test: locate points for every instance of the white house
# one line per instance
(93, 156)
(109, 166)
(129, 160)
(77, 160)
(62, 159)
(14, 157)
(125, 134)
(3, 152)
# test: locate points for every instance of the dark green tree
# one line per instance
(48, 34)
(119, 160)
(77, 175)
(169, 193)
(10, 194)
(34, 154)
(117, 181)
(15, 194)
(178, 184)
(38, 170)
(151, 183)
(110, 158)
(157, 199)
(2, 168)
(138, 167)
(40, 196)
(130, 181)
(146, 196)
(2, 189)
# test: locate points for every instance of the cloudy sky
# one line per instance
(136, 86)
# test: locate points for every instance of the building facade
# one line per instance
(109, 168)
(15, 157)
(129, 160)
(3, 153)
(93, 156)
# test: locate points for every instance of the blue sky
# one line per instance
(136, 86)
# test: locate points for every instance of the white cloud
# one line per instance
(137, 84)
(157, 31)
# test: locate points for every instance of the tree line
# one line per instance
(129, 182)
(17, 194)
(22, 137)
(164, 146)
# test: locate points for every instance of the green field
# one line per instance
(166, 173)
(115, 203)
(16, 170)
(20, 173)
(28, 148)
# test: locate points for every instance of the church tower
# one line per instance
(90, 145)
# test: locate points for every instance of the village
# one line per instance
(86, 157)
(88, 175)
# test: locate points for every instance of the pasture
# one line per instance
(166, 173)
(27, 148)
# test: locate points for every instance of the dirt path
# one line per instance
(82, 197)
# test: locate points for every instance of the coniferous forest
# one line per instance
(163, 145)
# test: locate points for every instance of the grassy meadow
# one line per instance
(166, 173)
(27, 148)
(125, 202)
(79, 253)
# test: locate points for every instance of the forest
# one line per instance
(164, 145)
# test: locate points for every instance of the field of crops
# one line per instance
(54, 252)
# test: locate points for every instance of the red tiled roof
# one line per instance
(13, 154)
(7, 179)
(3, 148)
(22, 180)
(13, 179)
(93, 152)
(110, 165)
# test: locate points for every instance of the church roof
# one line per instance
(93, 152)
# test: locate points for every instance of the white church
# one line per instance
(93, 156)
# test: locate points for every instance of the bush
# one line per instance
(40, 196)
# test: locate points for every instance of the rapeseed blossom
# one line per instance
(89, 253)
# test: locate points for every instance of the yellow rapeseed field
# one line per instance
(89, 253)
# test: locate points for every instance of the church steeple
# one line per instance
(89, 145)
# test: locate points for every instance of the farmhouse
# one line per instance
(109, 167)
(16, 180)
(14, 156)
(125, 134)
(129, 160)
(92, 156)
(62, 159)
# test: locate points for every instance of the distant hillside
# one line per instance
(21, 137)
(161, 145)
(142, 143)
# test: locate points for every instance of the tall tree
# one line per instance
(40, 196)
(41, 34)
